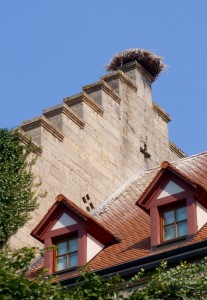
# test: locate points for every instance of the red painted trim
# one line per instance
(37, 231)
(60, 197)
(60, 210)
(64, 205)
(154, 205)
(177, 180)
(151, 189)
(165, 164)
(192, 215)
(53, 221)
(168, 171)
(151, 201)
(169, 199)
(62, 231)
(55, 236)
(82, 247)
(201, 196)
(155, 226)
(156, 218)
(48, 256)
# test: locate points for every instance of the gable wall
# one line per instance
(94, 147)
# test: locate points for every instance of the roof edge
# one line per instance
(90, 222)
(194, 250)
(165, 166)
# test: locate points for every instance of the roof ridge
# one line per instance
(115, 194)
(189, 157)
(143, 170)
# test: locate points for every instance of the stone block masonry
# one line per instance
(90, 143)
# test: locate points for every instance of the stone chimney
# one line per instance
(141, 66)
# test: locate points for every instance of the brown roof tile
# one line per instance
(121, 216)
(90, 221)
(132, 224)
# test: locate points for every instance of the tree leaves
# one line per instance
(186, 281)
(15, 285)
(183, 282)
(17, 197)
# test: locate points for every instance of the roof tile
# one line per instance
(132, 224)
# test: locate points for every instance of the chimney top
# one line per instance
(151, 62)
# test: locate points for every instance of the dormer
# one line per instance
(77, 236)
(176, 204)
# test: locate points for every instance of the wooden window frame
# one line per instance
(51, 238)
(56, 256)
(174, 207)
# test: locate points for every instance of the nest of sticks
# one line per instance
(151, 62)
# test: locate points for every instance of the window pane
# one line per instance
(181, 214)
(62, 248)
(169, 232)
(73, 245)
(61, 263)
(182, 228)
(73, 260)
(169, 217)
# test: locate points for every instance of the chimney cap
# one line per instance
(151, 62)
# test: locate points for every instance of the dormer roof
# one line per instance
(170, 171)
(132, 223)
(121, 216)
(76, 214)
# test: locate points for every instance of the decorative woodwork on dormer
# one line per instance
(77, 236)
(176, 205)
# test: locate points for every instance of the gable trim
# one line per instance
(154, 189)
(171, 188)
(64, 221)
(92, 226)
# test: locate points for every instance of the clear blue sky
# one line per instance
(50, 49)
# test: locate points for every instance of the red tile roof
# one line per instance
(91, 222)
(194, 167)
(132, 224)
(34, 272)
(121, 216)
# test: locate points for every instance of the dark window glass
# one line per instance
(174, 223)
(67, 254)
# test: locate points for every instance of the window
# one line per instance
(67, 254)
(174, 223)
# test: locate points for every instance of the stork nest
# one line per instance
(151, 62)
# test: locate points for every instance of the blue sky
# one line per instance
(50, 49)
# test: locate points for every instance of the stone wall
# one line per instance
(90, 143)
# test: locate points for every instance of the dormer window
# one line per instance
(66, 255)
(78, 237)
(176, 204)
(174, 223)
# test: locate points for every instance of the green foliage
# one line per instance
(187, 281)
(183, 282)
(15, 285)
(92, 287)
(17, 197)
